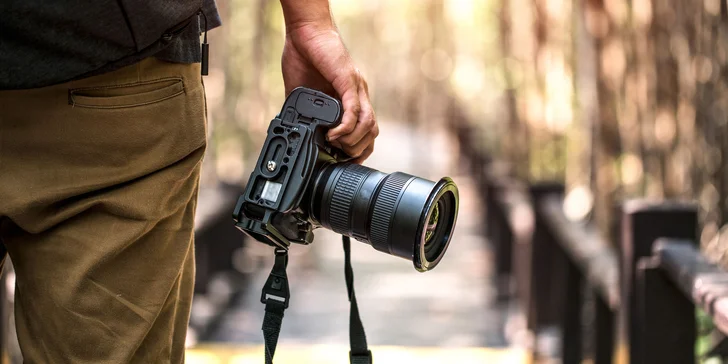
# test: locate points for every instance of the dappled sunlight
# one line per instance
(578, 203)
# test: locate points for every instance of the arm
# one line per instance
(315, 56)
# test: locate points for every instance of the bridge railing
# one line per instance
(641, 283)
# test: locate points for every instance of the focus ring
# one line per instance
(343, 196)
(384, 208)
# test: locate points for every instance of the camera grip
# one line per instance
(309, 106)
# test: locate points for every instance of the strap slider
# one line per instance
(365, 358)
(276, 287)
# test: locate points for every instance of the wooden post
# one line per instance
(665, 317)
(603, 331)
(548, 269)
(571, 343)
(641, 224)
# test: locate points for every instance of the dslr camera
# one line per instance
(301, 183)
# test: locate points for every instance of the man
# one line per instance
(102, 132)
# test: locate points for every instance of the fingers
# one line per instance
(358, 128)
(318, 57)
(366, 121)
(350, 101)
(365, 154)
(357, 150)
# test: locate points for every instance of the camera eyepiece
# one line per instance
(397, 213)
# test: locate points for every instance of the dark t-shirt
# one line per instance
(44, 42)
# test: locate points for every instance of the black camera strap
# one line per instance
(359, 353)
(276, 295)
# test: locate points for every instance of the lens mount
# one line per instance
(436, 225)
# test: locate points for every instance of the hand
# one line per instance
(314, 56)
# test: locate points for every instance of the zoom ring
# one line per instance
(384, 208)
(343, 197)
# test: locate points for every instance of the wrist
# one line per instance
(315, 15)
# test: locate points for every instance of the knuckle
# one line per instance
(349, 127)
(367, 152)
(345, 141)
(369, 121)
(353, 152)
(355, 108)
(350, 79)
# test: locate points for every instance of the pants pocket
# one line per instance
(126, 95)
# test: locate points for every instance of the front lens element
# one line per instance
(442, 210)
(432, 223)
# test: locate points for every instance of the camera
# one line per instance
(300, 182)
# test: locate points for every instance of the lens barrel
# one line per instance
(396, 213)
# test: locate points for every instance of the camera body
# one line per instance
(300, 183)
(275, 208)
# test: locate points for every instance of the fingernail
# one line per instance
(331, 138)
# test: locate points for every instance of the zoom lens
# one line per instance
(396, 213)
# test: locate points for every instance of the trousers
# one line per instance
(98, 186)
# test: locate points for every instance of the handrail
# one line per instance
(509, 225)
(647, 280)
(703, 282)
(516, 206)
(586, 247)
(580, 257)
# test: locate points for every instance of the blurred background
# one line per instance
(615, 98)
(420, 59)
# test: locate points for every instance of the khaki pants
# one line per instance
(98, 186)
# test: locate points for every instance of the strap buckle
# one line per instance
(276, 287)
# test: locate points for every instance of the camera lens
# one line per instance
(397, 213)
(430, 243)
(432, 225)
(441, 216)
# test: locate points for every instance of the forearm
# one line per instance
(298, 13)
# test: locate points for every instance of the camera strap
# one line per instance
(276, 296)
(359, 353)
